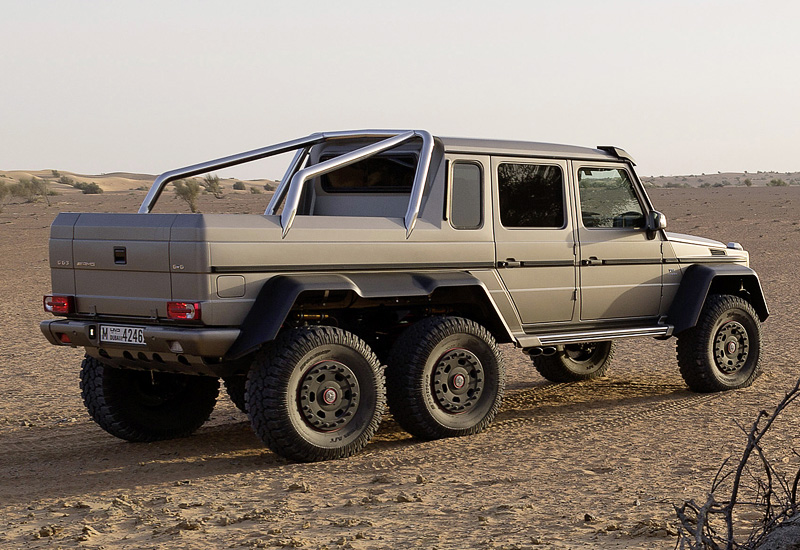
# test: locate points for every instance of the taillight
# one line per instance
(183, 311)
(59, 305)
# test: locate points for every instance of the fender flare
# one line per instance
(279, 294)
(700, 280)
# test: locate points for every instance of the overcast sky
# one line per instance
(684, 86)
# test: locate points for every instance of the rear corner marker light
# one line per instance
(64, 338)
(183, 311)
(59, 305)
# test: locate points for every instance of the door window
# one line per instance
(531, 195)
(608, 199)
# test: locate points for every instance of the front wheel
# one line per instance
(723, 351)
(139, 405)
(315, 393)
(576, 362)
(445, 378)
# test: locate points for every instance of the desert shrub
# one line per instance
(212, 185)
(755, 487)
(255, 190)
(55, 173)
(748, 182)
(66, 180)
(238, 186)
(271, 186)
(777, 183)
(188, 190)
(30, 189)
(88, 188)
(4, 192)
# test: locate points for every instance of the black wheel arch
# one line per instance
(283, 294)
(701, 280)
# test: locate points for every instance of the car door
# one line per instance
(535, 244)
(620, 267)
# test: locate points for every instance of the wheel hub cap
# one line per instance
(580, 352)
(328, 396)
(731, 347)
(458, 380)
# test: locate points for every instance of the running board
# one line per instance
(594, 336)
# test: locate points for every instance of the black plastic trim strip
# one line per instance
(634, 261)
(340, 268)
(548, 263)
(710, 260)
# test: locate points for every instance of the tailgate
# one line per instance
(120, 263)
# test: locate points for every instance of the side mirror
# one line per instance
(655, 222)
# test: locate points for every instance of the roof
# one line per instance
(522, 148)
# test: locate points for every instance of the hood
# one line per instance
(691, 239)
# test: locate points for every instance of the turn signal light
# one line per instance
(183, 311)
(59, 305)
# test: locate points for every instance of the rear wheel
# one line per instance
(575, 362)
(146, 405)
(235, 386)
(316, 393)
(723, 351)
(445, 378)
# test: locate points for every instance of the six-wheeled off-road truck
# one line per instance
(386, 269)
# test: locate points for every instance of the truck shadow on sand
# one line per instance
(64, 462)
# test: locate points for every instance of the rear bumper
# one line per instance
(200, 341)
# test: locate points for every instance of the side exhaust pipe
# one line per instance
(539, 350)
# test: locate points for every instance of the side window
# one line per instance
(466, 196)
(531, 195)
(608, 199)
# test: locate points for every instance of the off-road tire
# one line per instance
(316, 393)
(445, 378)
(235, 387)
(138, 405)
(576, 362)
(723, 351)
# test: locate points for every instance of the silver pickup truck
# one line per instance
(392, 249)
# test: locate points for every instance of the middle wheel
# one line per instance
(445, 378)
(315, 393)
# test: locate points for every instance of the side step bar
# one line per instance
(660, 331)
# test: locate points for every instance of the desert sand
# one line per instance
(581, 465)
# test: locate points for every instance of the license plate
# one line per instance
(122, 335)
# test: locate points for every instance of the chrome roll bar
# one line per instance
(224, 162)
(295, 179)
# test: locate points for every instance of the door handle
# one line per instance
(510, 262)
(592, 261)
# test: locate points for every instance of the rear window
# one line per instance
(381, 174)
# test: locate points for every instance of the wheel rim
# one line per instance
(328, 396)
(458, 380)
(580, 352)
(731, 347)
